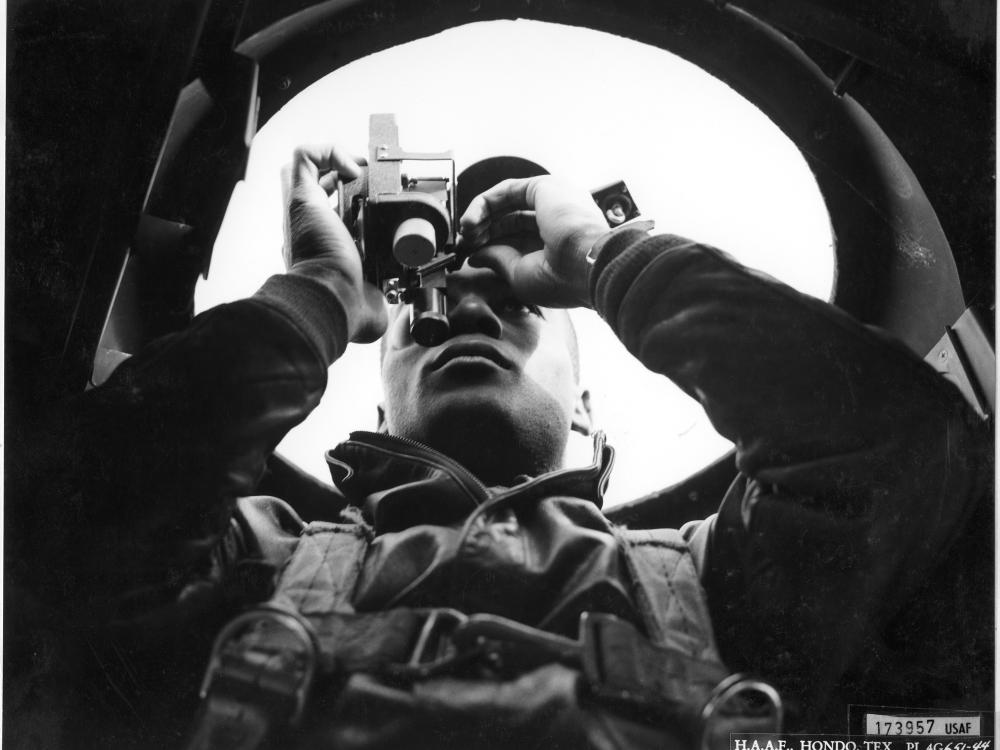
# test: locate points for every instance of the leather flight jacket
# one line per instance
(319, 666)
(849, 562)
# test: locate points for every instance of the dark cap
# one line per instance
(485, 173)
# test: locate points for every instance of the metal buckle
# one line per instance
(730, 688)
(449, 639)
(434, 652)
(269, 664)
(618, 679)
(511, 644)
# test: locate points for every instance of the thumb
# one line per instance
(375, 318)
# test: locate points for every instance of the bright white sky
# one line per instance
(594, 108)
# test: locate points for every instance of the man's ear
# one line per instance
(583, 418)
(381, 426)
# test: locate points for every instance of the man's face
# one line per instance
(498, 394)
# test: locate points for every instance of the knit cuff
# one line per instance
(618, 265)
(313, 308)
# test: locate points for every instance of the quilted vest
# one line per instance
(307, 670)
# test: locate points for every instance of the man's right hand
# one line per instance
(318, 245)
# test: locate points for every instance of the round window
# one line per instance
(592, 107)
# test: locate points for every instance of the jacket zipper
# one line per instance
(501, 497)
(412, 449)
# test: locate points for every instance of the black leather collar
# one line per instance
(399, 483)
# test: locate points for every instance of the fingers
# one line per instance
(501, 259)
(286, 193)
(329, 181)
(310, 178)
(313, 161)
(312, 229)
(317, 169)
(528, 275)
(516, 222)
(505, 225)
(286, 181)
(504, 197)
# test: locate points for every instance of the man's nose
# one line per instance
(472, 314)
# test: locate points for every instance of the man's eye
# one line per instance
(513, 306)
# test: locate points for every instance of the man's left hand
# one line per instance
(568, 222)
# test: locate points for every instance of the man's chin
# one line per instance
(481, 402)
(497, 433)
(479, 389)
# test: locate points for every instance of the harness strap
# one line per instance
(263, 663)
(261, 667)
(259, 663)
(224, 723)
(621, 664)
(668, 592)
(675, 610)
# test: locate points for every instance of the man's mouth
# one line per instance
(470, 353)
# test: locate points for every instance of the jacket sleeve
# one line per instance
(126, 490)
(859, 464)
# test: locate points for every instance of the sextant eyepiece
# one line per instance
(429, 324)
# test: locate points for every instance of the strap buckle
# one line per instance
(740, 703)
(433, 651)
(620, 664)
(268, 650)
(510, 645)
(433, 643)
(449, 639)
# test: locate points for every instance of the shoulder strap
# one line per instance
(669, 593)
(686, 667)
(263, 662)
(320, 576)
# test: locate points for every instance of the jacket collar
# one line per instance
(399, 483)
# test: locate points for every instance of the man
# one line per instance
(438, 597)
